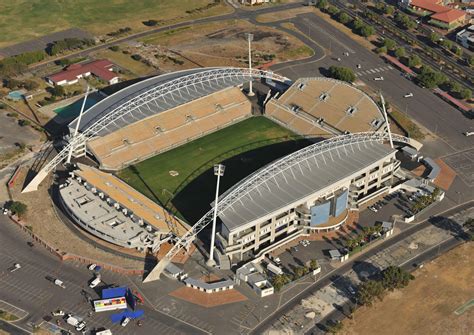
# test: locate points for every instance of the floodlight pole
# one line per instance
(250, 39)
(386, 120)
(77, 125)
(219, 172)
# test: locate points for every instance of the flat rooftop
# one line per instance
(99, 215)
(295, 181)
(134, 201)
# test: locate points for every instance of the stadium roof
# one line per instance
(292, 179)
(151, 106)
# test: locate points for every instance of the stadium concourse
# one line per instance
(310, 190)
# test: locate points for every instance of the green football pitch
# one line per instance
(244, 147)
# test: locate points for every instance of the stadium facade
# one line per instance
(309, 191)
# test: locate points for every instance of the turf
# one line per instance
(152, 177)
(22, 20)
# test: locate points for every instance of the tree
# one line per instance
(368, 291)
(334, 327)
(400, 52)
(342, 73)
(470, 60)
(344, 18)
(18, 208)
(30, 85)
(389, 10)
(434, 37)
(389, 44)
(332, 10)
(454, 87)
(457, 50)
(366, 30)
(430, 78)
(58, 91)
(395, 277)
(313, 264)
(322, 4)
(465, 93)
(414, 61)
(12, 83)
(279, 281)
(404, 21)
(150, 23)
(381, 50)
(114, 48)
(446, 44)
(23, 123)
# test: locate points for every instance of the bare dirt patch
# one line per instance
(446, 176)
(222, 44)
(427, 305)
(208, 300)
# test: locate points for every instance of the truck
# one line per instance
(104, 332)
(71, 320)
(275, 269)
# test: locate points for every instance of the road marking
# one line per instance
(12, 309)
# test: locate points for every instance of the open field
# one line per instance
(224, 44)
(427, 305)
(193, 162)
(23, 20)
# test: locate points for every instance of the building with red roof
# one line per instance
(440, 16)
(102, 69)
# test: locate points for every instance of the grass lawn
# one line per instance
(22, 20)
(243, 147)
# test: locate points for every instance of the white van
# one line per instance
(95, 282)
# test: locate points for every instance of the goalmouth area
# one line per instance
(185, 173)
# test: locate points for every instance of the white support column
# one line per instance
(68, 161)
(218, 171)
(250, 39)
(386, 120)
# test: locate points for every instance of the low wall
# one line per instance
(64, 256)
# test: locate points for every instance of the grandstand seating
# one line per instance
(170, 128)
(310, 99)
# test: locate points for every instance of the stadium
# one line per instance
(347, 158)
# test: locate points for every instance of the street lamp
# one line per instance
(219, 172)
(250, 39)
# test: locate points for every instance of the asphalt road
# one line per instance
(28, 289)
(349, 265)
(435, 114)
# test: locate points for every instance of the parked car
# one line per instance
(408, 95)
(30, 244)
(125, 322)
(92, 266)
(59, 283)
(15, 267)
(5, 211)
(351, 290)
(81, 326)
(373, 209)
(95, 282)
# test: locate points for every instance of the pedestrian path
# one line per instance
(373, 71)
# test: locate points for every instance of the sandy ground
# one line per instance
(427, 305)
(44, 222)
(223, 44)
